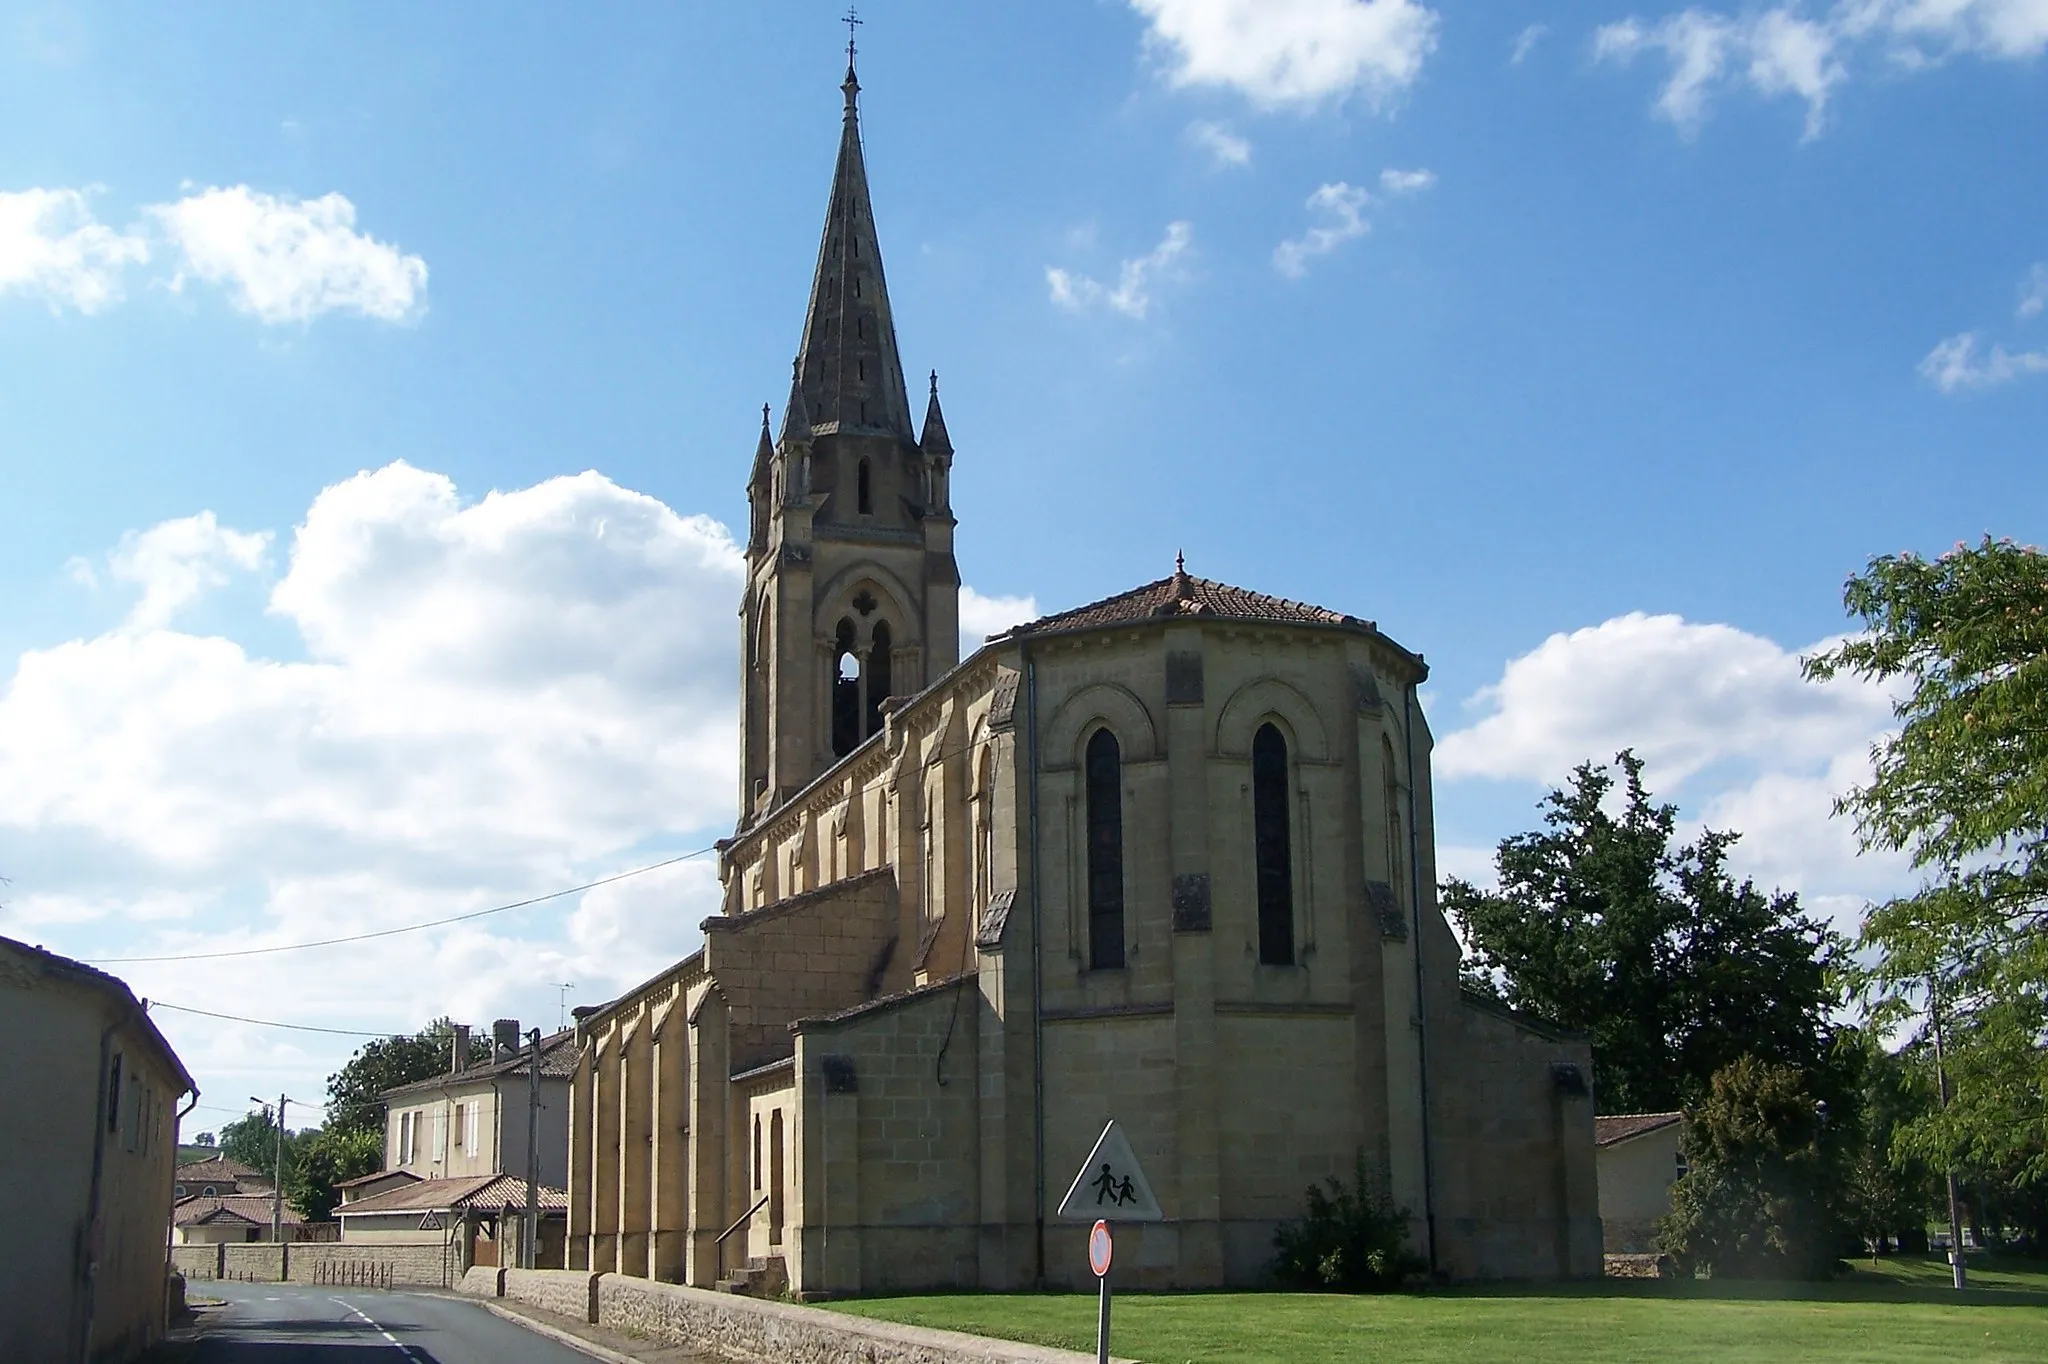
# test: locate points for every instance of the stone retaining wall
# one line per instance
(748, 1330)
(319, 1262)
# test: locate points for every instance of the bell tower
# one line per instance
(853, 594)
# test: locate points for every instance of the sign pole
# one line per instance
(1102, 1324)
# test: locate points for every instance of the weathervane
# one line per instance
(852, 22)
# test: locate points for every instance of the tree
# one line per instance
(1761, 1194)
(203, 1139)
(352, 1102)
(1888, 1188)
(1963, 788)
(253, 1141)
(326, 1158)
(1672, 967)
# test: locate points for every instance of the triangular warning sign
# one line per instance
(1111, 1186)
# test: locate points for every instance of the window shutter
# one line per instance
(440, 1135)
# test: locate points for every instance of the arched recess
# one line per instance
(1111, 704)
(1269, 698)
(836, 598)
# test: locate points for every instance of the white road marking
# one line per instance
(390, 1339)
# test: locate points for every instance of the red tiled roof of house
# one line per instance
(465, 1191)
(374, 1176)
(251, 1208)
(216, 1168)
(1616, 1127)
(557, 1062)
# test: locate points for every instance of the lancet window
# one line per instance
(1105, 852)
(1273, 847)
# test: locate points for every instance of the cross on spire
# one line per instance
(852, 22)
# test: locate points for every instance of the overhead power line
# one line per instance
(408, 928)
(272, 1023)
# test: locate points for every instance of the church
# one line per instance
(1166, 859)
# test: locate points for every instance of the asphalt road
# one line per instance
(299, 1324)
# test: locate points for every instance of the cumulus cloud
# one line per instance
(1724, 723)
(290, 260)
(982, 616)
(1406, 181)
(1783, 51)
(1136, 278)
(177, 562)
(1293, 52)
(1224, 147)
(1955, 365)
(1525, 43)
(53, 248)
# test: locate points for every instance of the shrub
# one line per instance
(1349, 1240)
(1761, 1193)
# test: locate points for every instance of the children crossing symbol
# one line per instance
(1111, 1185)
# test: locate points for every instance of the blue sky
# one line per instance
(1587, 354)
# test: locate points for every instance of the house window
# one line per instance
(1273, 850)
(757, 1153)
(114, 1095)
(775, 1180)
(1105, 853)
(440, 1135)
(469, 1141)
(208, 1191)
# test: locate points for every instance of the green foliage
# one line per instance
(352, 1102)
(327, 1158)
(1888, 1191)
(203, 1139)
(1351, 1240)
(1962, 787)
(1672, 967)
(252, 1140)
(1761, 1195)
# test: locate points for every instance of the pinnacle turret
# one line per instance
(935, 441)
(796, 416)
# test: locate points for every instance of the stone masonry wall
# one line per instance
(751, 1331)
(813, 954)
(261, 1262)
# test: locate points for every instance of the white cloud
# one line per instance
(290, 260)
(1224, 147)
(2033, 292)
(1136, 277)
(1782, 50)
(1725, 725)
(1406, 181)
(1342, 208)
(1954, 364)
(53, 248)
(982, 616)
(1293, 52)
(1525, 43)
(177, 562)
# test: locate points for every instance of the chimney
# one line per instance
(504, 1038)
(458, 1054)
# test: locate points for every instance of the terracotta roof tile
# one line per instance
(557, 1062)
(466, 1191)
(1183, 595)
(248, 1207)
(1615, 1127)
(216, 1168)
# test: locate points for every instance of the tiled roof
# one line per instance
(1183, 595)
(467, 1191)
(374, 1176)
(253, 1208)
(557, 1062)
(1621, 1126)
(50, 965)
(219, 1168)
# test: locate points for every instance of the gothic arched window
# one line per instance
(863, 480)
(1105, 852)
(845, 682)
(875, 678)
(1273, 847)
(1390, 785)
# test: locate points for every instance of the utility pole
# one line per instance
(277, 1177)
(1955, 1221)
(531, 1259)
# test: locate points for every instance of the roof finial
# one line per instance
(935, 383)
(852, 84)
(1180, 562)
(764, 416)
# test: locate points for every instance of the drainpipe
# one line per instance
(89, 1260)
(170, 1228)
(1037, 967)
(1421, 1000)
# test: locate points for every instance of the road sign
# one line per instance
(1111, 1185)
(1098, 1249)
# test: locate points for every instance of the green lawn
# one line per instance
(1900, 1313)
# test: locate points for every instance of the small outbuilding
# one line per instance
(1639, 1158)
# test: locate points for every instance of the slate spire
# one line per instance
(935, 441)
(796, 416)
(848, 365)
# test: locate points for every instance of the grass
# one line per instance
(1901, 1312)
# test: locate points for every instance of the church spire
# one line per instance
(935, 441)
(849, 366)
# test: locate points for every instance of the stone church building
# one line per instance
(1166, 858)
